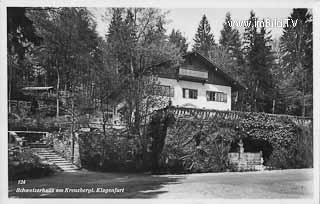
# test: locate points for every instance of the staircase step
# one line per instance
(53, 157)
(46, 153)
(63, 163)
(59, 159)
(44, 150)
(69, 168)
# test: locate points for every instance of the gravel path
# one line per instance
(268, 184)
(295, 183)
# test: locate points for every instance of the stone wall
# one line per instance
(246, 161)
(62, 144)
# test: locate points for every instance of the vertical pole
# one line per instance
(273, 105)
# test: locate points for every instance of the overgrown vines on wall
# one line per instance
(202, 145)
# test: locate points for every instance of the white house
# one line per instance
(198, 83)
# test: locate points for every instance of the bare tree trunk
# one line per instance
(72, 126)
(9, 86)
(58, 87)
(303, 93)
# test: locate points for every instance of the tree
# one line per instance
(141, 40)
(179, 41)
(259, 60)
(20, 38)
(204, 39)
(68, 52)
(230, 40)
(21, 32)
(296, 62)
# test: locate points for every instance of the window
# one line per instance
(216, 96)
(190, 93)
(162, 90)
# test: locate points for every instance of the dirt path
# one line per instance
(268, 184)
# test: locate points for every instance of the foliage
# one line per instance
(193, 146)
(69, 54)
(230, 40)
(24, 164)
(295, 73)
(196, 145)
(259, 60)
(136, 42)
(21, 31)
(179, 41)
(21, 37)
(204, 39)
(116, 151)
(157, 131)
(33, 124)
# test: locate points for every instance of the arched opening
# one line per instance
(254, 145)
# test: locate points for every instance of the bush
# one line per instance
(31, 124)
(24, 164)
(299, 154)
(117, 151)
(195, 147)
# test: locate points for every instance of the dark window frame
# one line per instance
(217, 96)
(163, 90)
(192, 93)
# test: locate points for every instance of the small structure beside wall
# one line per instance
(246, 161)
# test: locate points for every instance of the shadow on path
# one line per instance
(128, 185)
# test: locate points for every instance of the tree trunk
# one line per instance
(72, 126)
(58, 87)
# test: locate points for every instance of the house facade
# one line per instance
(198, 83)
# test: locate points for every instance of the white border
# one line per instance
(162, 4)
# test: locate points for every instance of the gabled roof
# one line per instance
(235, 84)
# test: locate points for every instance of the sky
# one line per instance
(187, 19)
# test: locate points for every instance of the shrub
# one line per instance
(24, 164)
(117, 151)
(31, 124)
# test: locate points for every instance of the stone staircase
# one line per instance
(48, 154)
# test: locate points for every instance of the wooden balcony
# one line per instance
(193, 75)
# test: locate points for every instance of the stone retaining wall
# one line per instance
(62, 144)
(246, 161)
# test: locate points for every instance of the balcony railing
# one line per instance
(193, 74)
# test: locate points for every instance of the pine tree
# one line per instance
(296, 62)
(204, 39)
(179, 41)
(230, 40)
(230, 45)
(259, 60)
